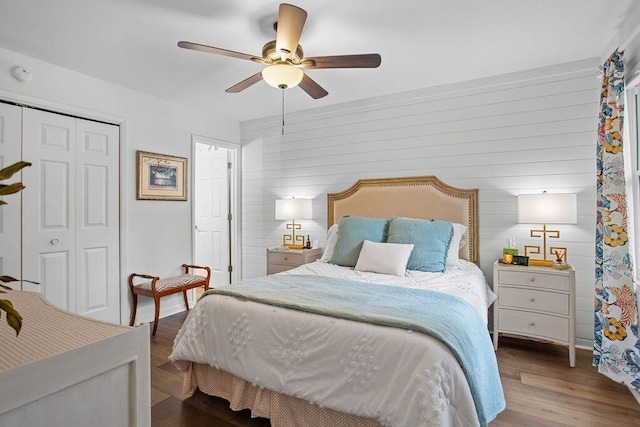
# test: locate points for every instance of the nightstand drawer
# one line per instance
(535, 279)
(278, 268)
(534, 324)
(533, 299)
(287, 258)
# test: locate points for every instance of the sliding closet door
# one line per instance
(70, 213)
(10, 136)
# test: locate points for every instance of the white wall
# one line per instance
(629, 41)
(156, 235)
(518, 133)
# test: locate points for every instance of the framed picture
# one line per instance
(160, 177)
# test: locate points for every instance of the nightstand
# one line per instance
(537, 303)
(285, 259)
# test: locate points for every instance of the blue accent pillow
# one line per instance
(430, 238)
(352, 231)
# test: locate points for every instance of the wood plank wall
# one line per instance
(517, 133)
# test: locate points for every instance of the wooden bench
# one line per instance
(157, 288)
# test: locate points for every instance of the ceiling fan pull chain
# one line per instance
(282, 111)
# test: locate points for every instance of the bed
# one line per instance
(364, 355)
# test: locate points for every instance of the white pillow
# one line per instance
(385, 258)
(456, 243)
(332, 238)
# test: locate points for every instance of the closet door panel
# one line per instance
(10, 144)
(53, 268)
(54, 194)
(49, 207)
(97, 226)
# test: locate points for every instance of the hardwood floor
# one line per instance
(540, 388)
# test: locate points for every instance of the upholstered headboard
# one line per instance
(424, 197)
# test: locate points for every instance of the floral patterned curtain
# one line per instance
(616, 349)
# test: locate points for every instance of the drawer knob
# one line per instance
(286, 259)
(532, 324)
(533, 279)
(532, 299)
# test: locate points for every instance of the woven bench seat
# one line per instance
(171, 282)
(157, 288)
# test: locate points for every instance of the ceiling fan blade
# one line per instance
(245, 83)
(220, 51)
(291, 20)
(368, 60)
(312, 88)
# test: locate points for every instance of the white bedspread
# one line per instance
(398, 377)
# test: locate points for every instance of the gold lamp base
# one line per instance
(559, 252)
(541, 262)
(295, 246)
(291, 240)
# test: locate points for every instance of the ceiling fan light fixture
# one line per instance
(284, 58)
(282, 76)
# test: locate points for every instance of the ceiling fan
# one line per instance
(285, 59)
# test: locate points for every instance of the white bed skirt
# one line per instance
(282, 410)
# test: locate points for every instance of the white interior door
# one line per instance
(97, 221)
(212, 211)
(10, 137)
(70, 213)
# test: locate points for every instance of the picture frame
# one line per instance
(161, 177)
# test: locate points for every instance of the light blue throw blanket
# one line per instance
(445, 317)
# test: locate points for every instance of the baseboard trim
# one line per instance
(169, 305)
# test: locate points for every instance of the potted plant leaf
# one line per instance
(13, 316)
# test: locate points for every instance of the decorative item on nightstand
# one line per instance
(546, 209)
(292, 209)
(519, 260)
(509, 252)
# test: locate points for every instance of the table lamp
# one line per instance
(292, 209)
(545, 208)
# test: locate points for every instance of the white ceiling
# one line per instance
(422, 43)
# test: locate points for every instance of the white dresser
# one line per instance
(537, 303)
(68, 370)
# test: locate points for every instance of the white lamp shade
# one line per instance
(547, 208)
(282, 75)
(287, 209)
